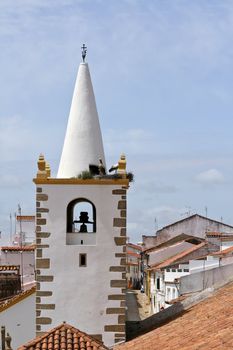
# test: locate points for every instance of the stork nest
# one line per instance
(86, 174)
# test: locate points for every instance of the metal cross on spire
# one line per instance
(84, 52)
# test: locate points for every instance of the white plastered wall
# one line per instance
(19, 320)
(80, 294)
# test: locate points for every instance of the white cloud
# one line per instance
(210, 177)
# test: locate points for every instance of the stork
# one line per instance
(114, 167)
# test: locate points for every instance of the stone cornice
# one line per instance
(74, 181)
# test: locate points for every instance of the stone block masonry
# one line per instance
(42, 263)
(120, 241)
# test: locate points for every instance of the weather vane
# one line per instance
(84, 52)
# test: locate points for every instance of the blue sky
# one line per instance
(163, 79)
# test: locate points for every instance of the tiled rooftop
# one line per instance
(25, 218)
(178, 256)
(206, 325)
(64, 337)
(136, 255)
(223, 252)
(27, 248)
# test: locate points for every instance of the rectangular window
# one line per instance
(173, 270)
(82, 260)
(186, 270)
(179, 270)
(158, 283)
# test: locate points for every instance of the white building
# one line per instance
(165, 286)
(81, 230)
(164, 277)
(24, 230)
(24, 257)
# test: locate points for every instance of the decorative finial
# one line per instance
(48, 170)
(41, 173)
(84, 52)
(122, 166)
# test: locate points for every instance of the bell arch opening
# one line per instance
(81, 222)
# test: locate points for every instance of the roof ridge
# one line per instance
(191, 216)
(175, 240)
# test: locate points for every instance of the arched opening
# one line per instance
(81, 216)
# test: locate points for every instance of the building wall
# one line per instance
(195, 225)
(167, 290)
(199, 281)
(28, 231)
(91, 298)
(19, 320)
(148, 241)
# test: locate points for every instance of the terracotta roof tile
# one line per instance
(64, 337)
(206, 325)
(135, 246)
(223, 252)
(136, 255)
(25, 217)
(16, 248)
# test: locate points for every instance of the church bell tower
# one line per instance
(81, 229)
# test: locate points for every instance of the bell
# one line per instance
(84, 218)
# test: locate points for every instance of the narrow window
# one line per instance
(82, 260)
(158, 283)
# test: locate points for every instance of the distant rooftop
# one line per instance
(191, 217)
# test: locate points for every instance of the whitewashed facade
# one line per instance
(18, 316)
(165, 286)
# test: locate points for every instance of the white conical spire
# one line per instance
(83, 143)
